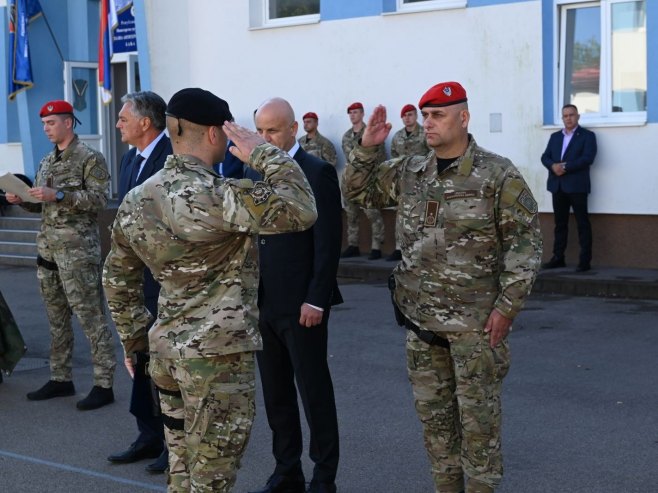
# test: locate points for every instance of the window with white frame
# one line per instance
(420, 5)
(276, 13)
(603, 59)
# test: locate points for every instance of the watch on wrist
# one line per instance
(59, 196)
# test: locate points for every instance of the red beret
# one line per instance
(57, 107)
(354, 106)
(310, 114)
(405, 108)
(443, 94)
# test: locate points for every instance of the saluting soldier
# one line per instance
(408, 141)
(314, 142)
(350, 139)
(471, 248)
(72, 185)
(195, 231)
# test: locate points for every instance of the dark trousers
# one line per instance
(292, 352)
(144, 401)
(562, 203)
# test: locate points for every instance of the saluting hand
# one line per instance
(244, 139)
(498, 326)
(377, 129)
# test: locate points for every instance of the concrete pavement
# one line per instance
(580, 405)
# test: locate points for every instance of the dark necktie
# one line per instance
(136, 164)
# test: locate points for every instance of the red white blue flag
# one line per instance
(21, 12)
(105, 53)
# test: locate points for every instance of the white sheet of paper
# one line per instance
(9, 183)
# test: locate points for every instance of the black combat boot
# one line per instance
(52, 389)
(98, 397)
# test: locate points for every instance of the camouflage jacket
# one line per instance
(351, 140)
(320, 147)
(81, 173)
(470, 236)
(413, 144)
(196, 232)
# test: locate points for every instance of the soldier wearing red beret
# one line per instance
(350, 139)
(408, 141)
(471, 248)
(314, 142)
(71, 188)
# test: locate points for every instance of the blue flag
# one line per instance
(21, 12)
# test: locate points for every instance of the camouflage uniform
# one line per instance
(413, 144)
(196, 231)
(470, 243)
(320, 147)
(70, 239)
(350, 140)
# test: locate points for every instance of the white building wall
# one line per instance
(495, 52)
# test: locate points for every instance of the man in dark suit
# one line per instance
(142, 123)
(297, 290)
(568, 156)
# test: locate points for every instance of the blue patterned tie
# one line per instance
(136, 164)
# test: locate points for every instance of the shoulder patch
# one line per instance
(260, 192)
(527, 201)
(98, 172)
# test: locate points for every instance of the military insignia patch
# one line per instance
(447, 91)
(98, 172)
(527, 201)
(462, 194)
(431, 213)
(260, 193)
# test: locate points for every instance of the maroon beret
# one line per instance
(405, 108)
(310, 114)
(443, 94)
(355, 106)
(57, 107)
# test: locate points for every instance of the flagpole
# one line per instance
(52, 35)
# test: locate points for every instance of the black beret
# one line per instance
(199, 106)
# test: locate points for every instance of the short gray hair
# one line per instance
(147, 104)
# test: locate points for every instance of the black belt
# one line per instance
(46, 264)
(427, 336)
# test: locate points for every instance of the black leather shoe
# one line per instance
(98, 397)
(137, 451)
(283, 484)
(583, 268)
(52, 389)
(375, 254)
(554, 263)
(160, 465)
(351, 251)
(396, 256)
(317, 487)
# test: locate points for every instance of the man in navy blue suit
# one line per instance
(568, 156)
(142, 124)
(296, 292)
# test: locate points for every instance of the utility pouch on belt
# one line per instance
(426, 336)
(46, 264)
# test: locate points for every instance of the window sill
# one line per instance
(601, 124)
(427, 7)
(288, 22)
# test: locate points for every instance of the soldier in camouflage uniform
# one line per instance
(72, 188)
(408, 141)
(196, 232)
(350, 139)
(471, 248)
(314, 142)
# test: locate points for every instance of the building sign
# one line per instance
(124, 35)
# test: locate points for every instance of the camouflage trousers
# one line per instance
(76, 288)
(208, 408)
(376, 225)
(457, 397)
